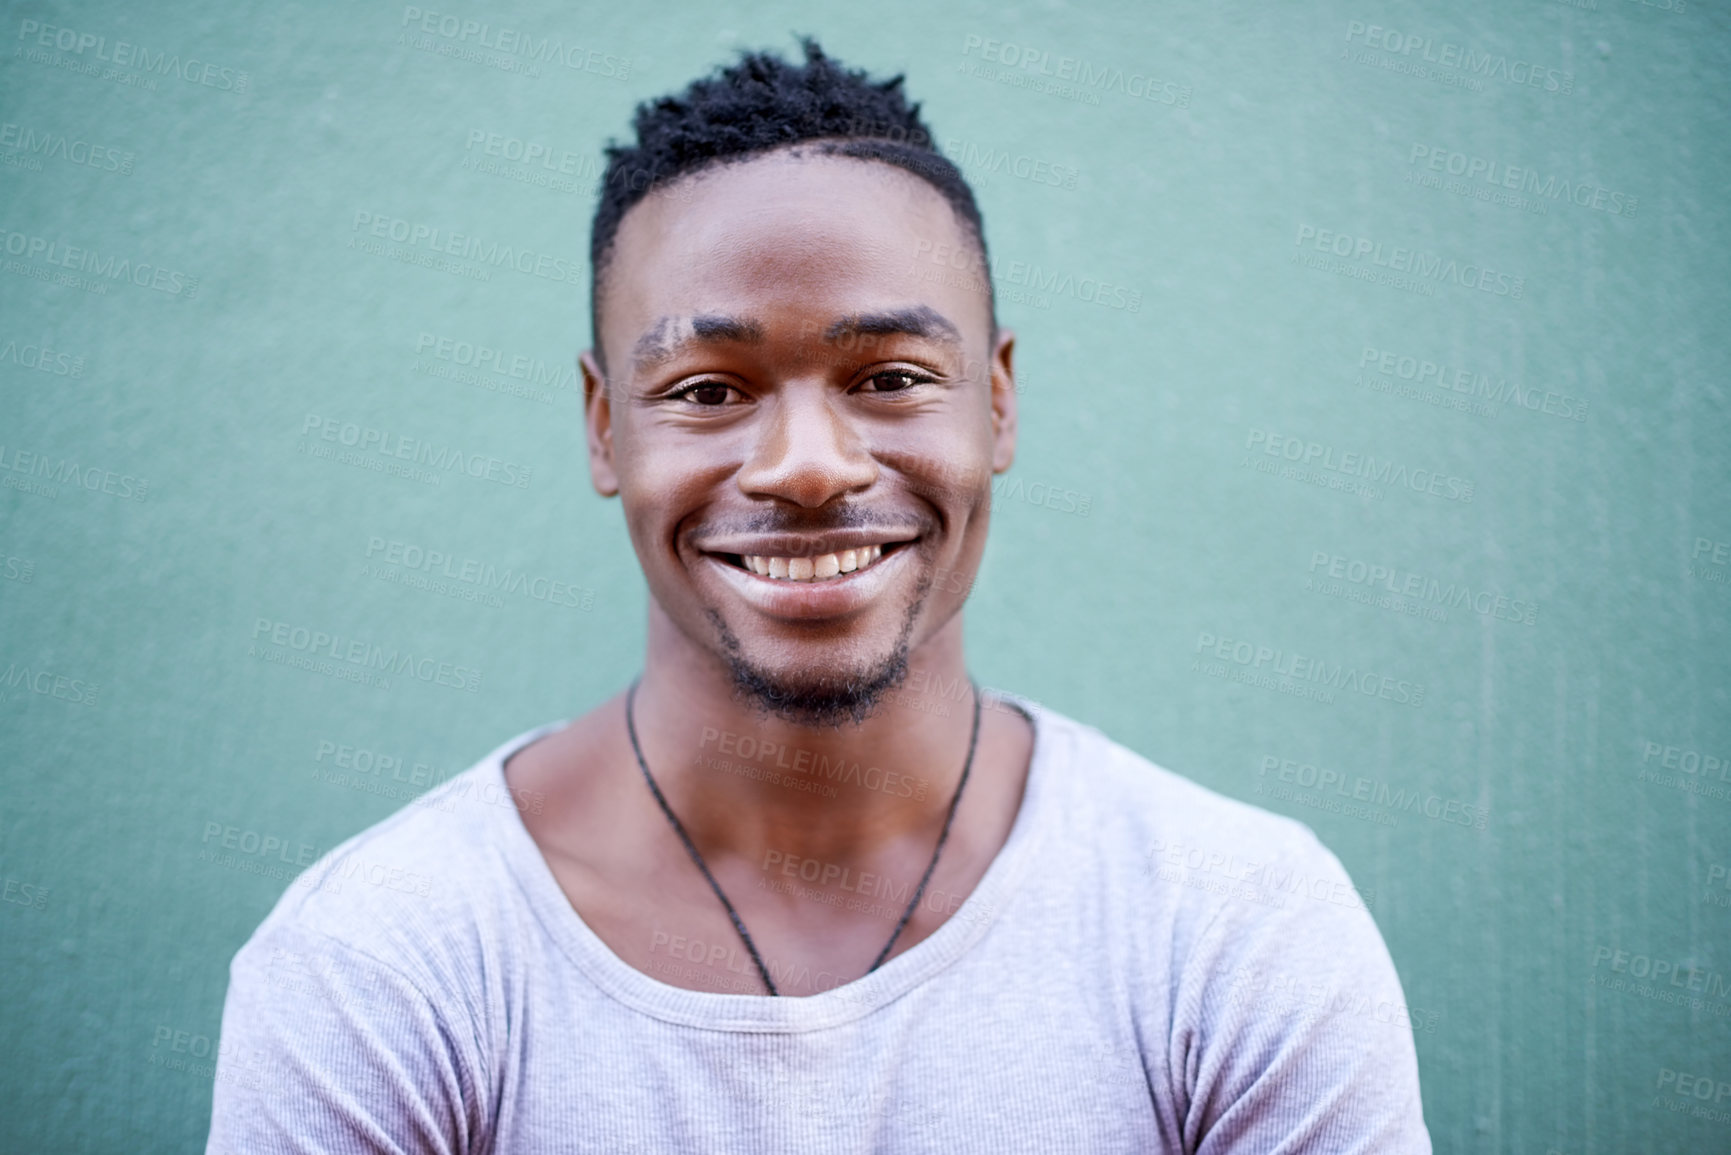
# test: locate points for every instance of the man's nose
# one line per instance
(807, 451)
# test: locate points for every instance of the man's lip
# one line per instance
(835, 597)
(802, 545)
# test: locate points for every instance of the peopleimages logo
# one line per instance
(43, 358)
(86, 260)
(48, 683)
(1358, 788)
(395, 448)
(513, 42)
(1672, 972)
(122, 54)
(468, 571)
(56, 471)
(1078, 78)
(980, 162)
(1447, 54)
(780, 756)
(1169, 862)
(1416, 262)
(1454, 379)
(27, 140)
(1690, 1092)
(1498, 175)
(1304, 670)
(465, 247)
(532, 163)
(1693, 767)
(533, 371)
(363, 659)
(1021, 274)
(1314, 455)
(1418, 587)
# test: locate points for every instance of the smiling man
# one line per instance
(802, 887)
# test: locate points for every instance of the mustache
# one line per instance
(794, 521)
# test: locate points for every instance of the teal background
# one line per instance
(1536, 1035)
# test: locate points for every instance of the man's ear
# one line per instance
(1003, 370)
(598, 419)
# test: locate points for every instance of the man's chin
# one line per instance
(826, 702)
(813, 697)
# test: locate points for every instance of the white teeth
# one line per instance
(820, 568)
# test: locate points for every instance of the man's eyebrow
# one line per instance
(660, 342)
(920, 321)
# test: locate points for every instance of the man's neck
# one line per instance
(744, 781)
(808, 830)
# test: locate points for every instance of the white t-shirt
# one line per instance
(1146, 966)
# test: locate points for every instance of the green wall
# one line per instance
(1372, 415)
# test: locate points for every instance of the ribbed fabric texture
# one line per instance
(1147, 966)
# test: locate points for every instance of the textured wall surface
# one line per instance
(1374, 470)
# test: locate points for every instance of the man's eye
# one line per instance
(706, 393)
(895, 380)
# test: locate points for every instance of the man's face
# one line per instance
(802, 419)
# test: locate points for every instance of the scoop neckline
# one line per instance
(785, 1014)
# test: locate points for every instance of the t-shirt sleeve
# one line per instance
(1293, 1034)
(325, 1048)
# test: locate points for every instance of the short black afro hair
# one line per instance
(761, 104)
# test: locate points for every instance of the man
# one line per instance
(801, 887)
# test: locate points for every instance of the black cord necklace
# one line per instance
(738, 924)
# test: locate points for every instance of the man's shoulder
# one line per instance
(1109, 787)
(429, 879)
(1236, 891)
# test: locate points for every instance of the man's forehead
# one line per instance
(720, 253)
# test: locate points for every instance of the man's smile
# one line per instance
(810, 569)
(810, 584)
(808, 557)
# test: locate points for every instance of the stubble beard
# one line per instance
(822, 703)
